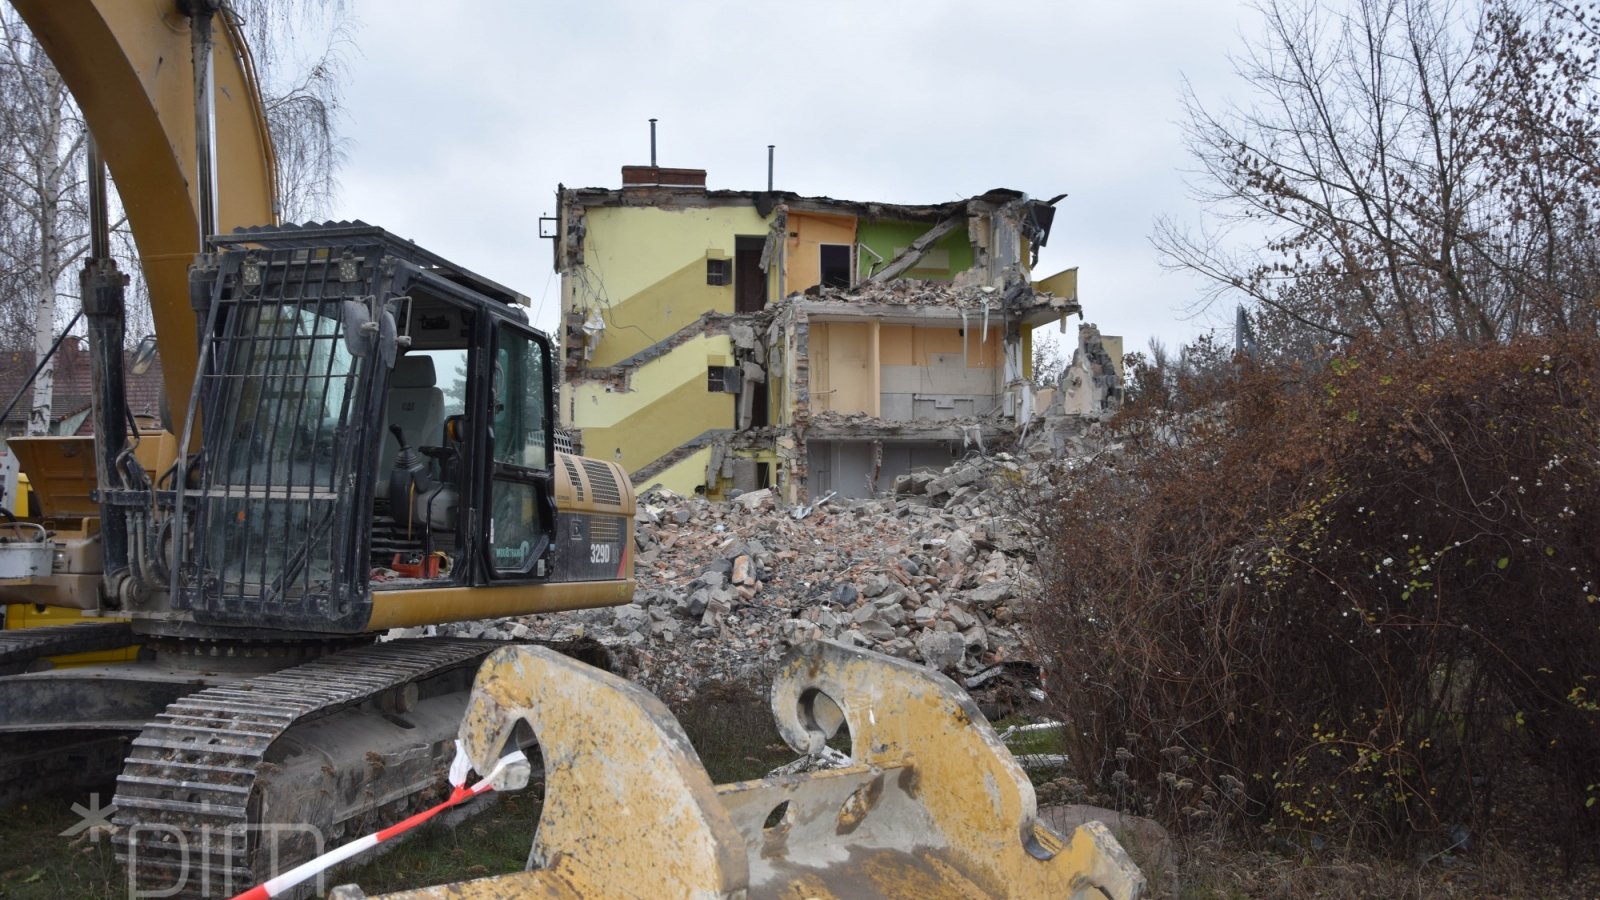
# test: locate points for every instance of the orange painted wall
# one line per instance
(914, 345)
(807, 233)
(841, 367)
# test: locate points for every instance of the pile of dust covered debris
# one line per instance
(938, 571)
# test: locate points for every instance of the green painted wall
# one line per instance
(885, 238)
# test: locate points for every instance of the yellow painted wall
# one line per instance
(683, 477)
(668, 405)
(1113, 347)
(653, 432)
(657, 312)
(897, 345)
(821, 379)
(1063, 283)
(597, 407)
(807, 233)
(845, 358)
(645, 269)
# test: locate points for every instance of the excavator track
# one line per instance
(190, 789)
(21, 647)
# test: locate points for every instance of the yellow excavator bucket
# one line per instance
(930, 805)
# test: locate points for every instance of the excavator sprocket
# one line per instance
(930, 805)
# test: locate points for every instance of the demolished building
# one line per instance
(718, 339)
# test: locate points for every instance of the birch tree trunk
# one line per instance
(51, 174)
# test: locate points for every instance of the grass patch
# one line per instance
(37, 863)
(731, 728)
(493, 842)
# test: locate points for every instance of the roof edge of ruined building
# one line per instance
(867, 209)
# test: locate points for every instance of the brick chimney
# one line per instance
(657, 176)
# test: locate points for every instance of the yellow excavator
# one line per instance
(360, 438)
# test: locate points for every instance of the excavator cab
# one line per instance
(333, 359)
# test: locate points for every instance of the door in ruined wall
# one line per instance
(750, 295)
(904, 458)
(749, 282)
(845, 467)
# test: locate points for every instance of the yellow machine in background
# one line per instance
(61, 517)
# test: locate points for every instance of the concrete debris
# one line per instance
(1092, 382)
(936, 571)
(980, 299)
(828, 758)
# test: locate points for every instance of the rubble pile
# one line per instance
(961, 293)
(934, 572)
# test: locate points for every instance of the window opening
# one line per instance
(835, 260)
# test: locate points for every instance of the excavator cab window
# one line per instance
(418, 488)
(277, 429)
(520, 474)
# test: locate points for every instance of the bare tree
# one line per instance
(1048, 359)
(41, 180)
(1412, 167)
(303, 94)
(43, 218)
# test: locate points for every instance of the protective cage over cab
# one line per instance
(374, 418)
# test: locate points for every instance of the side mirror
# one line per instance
(358, 328)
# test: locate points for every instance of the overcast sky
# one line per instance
(463, 118)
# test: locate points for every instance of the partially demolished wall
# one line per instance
(783, 406)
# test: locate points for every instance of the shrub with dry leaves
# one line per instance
(1344, 599)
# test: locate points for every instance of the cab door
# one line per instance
(521, 502)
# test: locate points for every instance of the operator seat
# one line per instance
(416, 405)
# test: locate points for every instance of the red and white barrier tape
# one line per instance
(497, 778)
